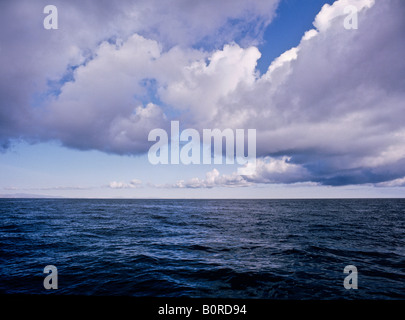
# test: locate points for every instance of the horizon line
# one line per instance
(202, 198)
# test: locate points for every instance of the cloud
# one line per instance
(328, 12)
(208, 22)
(330, 110)
(204, 84)
(123, 185)
(37, 62)
(104, 100)
(277, 170)
(335, 103)
(213, 179)
(267, 170)
(400, 182)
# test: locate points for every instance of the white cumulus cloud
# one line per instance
(135, 183)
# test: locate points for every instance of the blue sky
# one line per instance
(293, 18)
(328, 123)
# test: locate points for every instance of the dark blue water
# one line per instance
(271, 249)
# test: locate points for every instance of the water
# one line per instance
(269, 249)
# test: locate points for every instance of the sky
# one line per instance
(327, 101)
